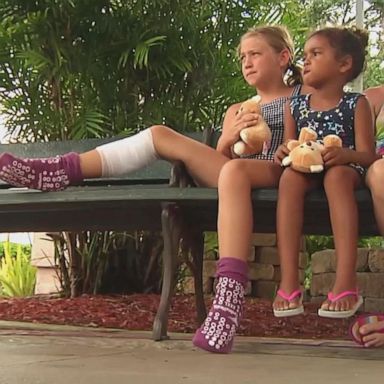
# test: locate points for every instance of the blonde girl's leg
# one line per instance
(235, 225)
(340, 183)
(114, 159)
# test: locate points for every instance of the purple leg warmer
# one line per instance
(47, 174)
(217, 332)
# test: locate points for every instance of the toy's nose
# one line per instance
(309, 144)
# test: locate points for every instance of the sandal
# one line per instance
(341, 314)
(291, 311)
(354, 329)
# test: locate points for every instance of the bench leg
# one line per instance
(197, 253)
(171, 224)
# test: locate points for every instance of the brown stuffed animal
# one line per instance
(305, 153)
(252, 138)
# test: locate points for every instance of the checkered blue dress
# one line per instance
(273, 114)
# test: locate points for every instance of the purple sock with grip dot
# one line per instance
(218, 330)
(45, 174)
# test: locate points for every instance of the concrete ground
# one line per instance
(41, 354)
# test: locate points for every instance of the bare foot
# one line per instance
(341, 304)
(373, 334)
(288, 304)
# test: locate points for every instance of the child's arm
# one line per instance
(228, 135)
(364, 154)
(375, 97)
(289, 134)
(233, 124)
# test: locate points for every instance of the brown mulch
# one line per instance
(136, 312)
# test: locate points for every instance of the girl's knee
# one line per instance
(233, 175)
(375, 176)
(160, 129)
(341, 177)
(292, 180)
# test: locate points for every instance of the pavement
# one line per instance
(42, 354)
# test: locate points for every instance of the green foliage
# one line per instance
(211, 242)
(95, 68)
(314, 243)
(108, 262)
(371, 242)
(17, 275)
(13, 248)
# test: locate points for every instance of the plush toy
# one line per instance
(306, 153)
(252, 138)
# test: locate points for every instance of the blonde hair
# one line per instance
(279, 38)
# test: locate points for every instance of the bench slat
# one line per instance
(139, 208)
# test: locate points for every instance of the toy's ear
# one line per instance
(307, 134)
(292, 144)
(332, 141)
(251, 105)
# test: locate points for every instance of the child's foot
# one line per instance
(341, 305)
(218, 330)
(368, 330)
(286, 304)
(373, 334)
(49, 174)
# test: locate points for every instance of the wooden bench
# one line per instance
(156, 198)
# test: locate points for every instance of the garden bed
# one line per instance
(136, 312)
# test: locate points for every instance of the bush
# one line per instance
(13, 247)
(17, 275)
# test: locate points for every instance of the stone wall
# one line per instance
(370, 276)
(264, 268)
(264, 272)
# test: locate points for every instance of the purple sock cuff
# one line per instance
(72, 165)
(233, 268)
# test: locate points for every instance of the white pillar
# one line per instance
(358, 83)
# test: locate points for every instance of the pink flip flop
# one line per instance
(341, 314)
(292, 311)
(354, 329)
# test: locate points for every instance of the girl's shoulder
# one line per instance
(376, 93)
(375, 96)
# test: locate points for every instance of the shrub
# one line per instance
(17, 275)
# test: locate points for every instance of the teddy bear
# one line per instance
(306, 153)
(252, 138)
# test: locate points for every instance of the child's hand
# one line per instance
(281, 152)
(241, 122)
(245, 120)
(335, 156)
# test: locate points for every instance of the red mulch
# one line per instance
(136, 312)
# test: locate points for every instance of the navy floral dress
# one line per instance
(338, 121)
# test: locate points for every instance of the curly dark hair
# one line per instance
(350, 41)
